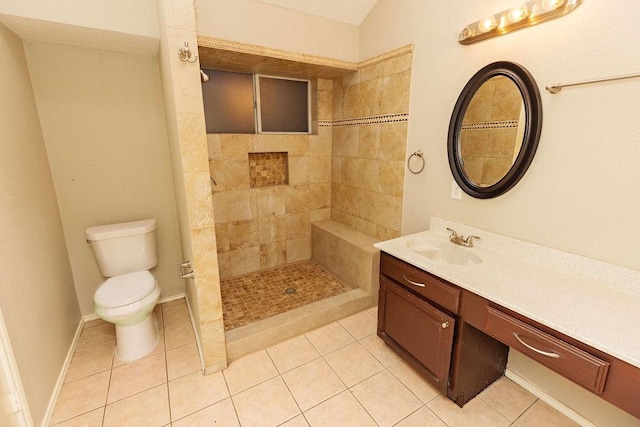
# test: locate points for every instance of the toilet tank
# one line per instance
(125, 247)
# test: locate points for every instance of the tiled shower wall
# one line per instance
(260, 228)
(369, 153)
(352, 171)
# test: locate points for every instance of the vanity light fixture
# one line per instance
(523, 15)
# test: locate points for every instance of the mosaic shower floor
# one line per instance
(256, 296)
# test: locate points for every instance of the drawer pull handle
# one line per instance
(422, 285)
(445, 325)
(544, 353)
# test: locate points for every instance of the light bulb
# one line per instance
(552, 4)
(518, 13)
(488, 24)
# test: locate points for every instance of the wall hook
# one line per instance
(185, 54)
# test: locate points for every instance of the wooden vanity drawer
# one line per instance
(437, 290)
(573, 363)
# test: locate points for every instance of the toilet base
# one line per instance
(136, 341)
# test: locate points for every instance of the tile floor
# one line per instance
(338, 375)
(256, 296)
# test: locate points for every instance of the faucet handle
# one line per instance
(469, 240)
(453, 232)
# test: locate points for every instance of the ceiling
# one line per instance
(349, 11)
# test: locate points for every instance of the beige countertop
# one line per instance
(591, 301)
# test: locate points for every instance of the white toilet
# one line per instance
(125, 252)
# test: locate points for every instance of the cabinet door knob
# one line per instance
(445, 325)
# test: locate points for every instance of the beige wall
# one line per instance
(580, 193)
(37, 295)
(122, 16)
(104, 129)
(262, 24)
(369, 159)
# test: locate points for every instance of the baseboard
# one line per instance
(63, 373)
(542, 395)
(195, 333)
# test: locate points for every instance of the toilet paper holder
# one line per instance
(183, 272)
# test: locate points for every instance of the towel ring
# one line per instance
(419, 154)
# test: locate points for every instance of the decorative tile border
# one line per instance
(387, 118)
(388, 55)
(491, 125)
(253, 49)
(215, 43)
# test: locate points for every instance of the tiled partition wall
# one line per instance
(370, 113)
(260, 228)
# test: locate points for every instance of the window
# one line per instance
(247, 103)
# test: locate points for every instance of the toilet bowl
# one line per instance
(125, 252)
(128, 301)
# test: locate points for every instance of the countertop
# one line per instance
(594, 302)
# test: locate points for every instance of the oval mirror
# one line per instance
(494, 129)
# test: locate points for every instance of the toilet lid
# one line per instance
(125, 289)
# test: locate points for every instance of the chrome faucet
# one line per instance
(459, 239)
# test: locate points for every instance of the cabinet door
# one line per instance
(422, 330)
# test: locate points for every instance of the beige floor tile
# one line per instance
(342, 410)
(194, 392)
(422, 418)
(292, 353)
(414, 381)
(353, 364)
(508, 398)
(477, 413)
(249, 371)
(97, 335)
(179, 301)
(298, 421)
(95, 322)
(182, 360)
(267, 404)
(329, 338)
(176, 313)
(90, 361)
(148, 372)
(385, 398)
(313, 383)
(178, 334)
(159, 348)
(81, 396)
(373, 311)
(541, 414)
(380, 350)
(90, 419)
(220, 414)
(149, 408)
(359, 325)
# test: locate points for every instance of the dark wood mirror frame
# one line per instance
(533, 115)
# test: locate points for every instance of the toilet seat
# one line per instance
(125, 289)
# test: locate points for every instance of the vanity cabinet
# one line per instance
(460, 341)
(418, 317)
(414, 327)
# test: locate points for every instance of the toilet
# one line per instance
(125, 252)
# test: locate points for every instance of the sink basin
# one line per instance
(443, 251)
